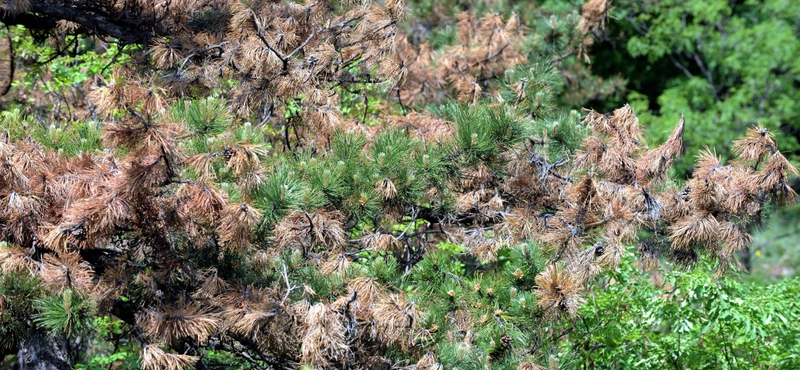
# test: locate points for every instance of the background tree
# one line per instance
(726, 64)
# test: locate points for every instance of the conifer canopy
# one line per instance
(284, 185)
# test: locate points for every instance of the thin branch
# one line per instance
(705, 71)
(289, 287)
(201, 52)
(313, 33)
(126, 29)
(493, 55)
(11, 66)
(400, 100)
(561, 57)
(284, 58)
(680, 66)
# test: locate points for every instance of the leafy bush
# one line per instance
(686, 319)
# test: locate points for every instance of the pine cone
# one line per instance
(502, 349)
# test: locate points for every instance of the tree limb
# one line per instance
(44, 16)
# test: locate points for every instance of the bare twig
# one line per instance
(201, 52)
(561, 57)
(289, 287)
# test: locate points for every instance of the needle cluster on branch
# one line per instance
(120, 225)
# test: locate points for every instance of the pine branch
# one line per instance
(284, 58)
(43, 16)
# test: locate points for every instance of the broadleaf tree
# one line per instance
(727, 65)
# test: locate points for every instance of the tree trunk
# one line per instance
(43, 352)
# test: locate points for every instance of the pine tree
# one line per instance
(457, 228)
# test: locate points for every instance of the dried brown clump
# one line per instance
(181, 322)
(154, 358)
(307, 230)
(558, 291)
(488, 46)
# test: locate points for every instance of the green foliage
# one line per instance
(17, 294)
(436, 16)
(70, 138)
(451, 247)
(531, 89)
(483, 133)
(496, 296)
(360, 102)
(280, 193)
(103, 362)
(348, 178)
(68, 64)
(725, 65)
(205, 117)
(67, 313)
(774, 250)
(692, 320)
(85, 60)
(106, 326)
(564, 134)
(224, 361)
(107, 350)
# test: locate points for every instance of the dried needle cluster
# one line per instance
(623, 192)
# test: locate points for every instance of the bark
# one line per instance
(42, 351)
(124, 27)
